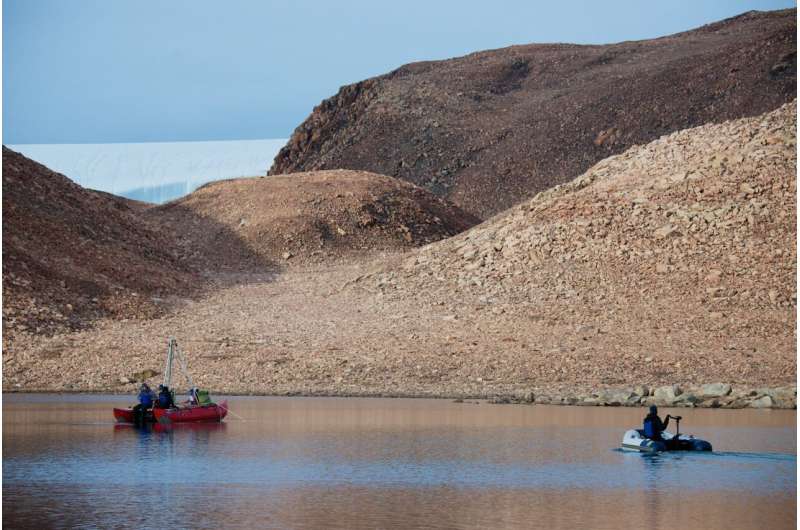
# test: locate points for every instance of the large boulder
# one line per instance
(615, 397)
(783, 397)
(764, 402)
(714, 390)
(667, 394)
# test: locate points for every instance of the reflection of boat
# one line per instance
(191, 427)
(200, 409)
(171, 427)
(635, 440)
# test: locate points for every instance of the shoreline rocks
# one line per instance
(779, 398)
(711, 395)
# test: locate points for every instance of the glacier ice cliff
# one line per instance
(155, 172)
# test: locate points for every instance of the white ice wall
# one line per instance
(155, 172)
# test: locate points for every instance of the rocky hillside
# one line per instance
(493, 128)
(71, 255)
(664, 274)
(672, 259)
(257, 223)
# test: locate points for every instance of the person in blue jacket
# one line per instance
(146, 398)
(653, 425)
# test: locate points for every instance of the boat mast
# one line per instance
(168, 368)
(172, 352)
(183, 366)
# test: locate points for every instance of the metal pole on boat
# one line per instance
(183, 367)
(168, 368)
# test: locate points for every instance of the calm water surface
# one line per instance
(389, 463)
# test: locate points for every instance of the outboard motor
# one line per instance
(700, 445)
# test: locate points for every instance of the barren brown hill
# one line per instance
(667, 262)
(306, 217)
(72, 255)
(492, 128)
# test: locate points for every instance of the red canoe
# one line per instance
(197, 413)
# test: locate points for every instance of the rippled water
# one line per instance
(389, 463)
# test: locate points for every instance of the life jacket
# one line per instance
(652, 426)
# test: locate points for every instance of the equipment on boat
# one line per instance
(200, 409)
(635, 440)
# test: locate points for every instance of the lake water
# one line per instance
(389, 463)
(155, 172)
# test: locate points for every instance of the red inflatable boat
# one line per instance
(203, 410)
(190, 413)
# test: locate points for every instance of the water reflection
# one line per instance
(311, 463)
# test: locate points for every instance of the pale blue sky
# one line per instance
(81, 71)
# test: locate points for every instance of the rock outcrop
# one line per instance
(493, 128)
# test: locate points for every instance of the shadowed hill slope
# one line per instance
(306, 217)
(490, 129)
(71, 255)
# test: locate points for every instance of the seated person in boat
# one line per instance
(198, 397)
(165, 400)
(653, 425)
(192, 397)
(146, 398)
